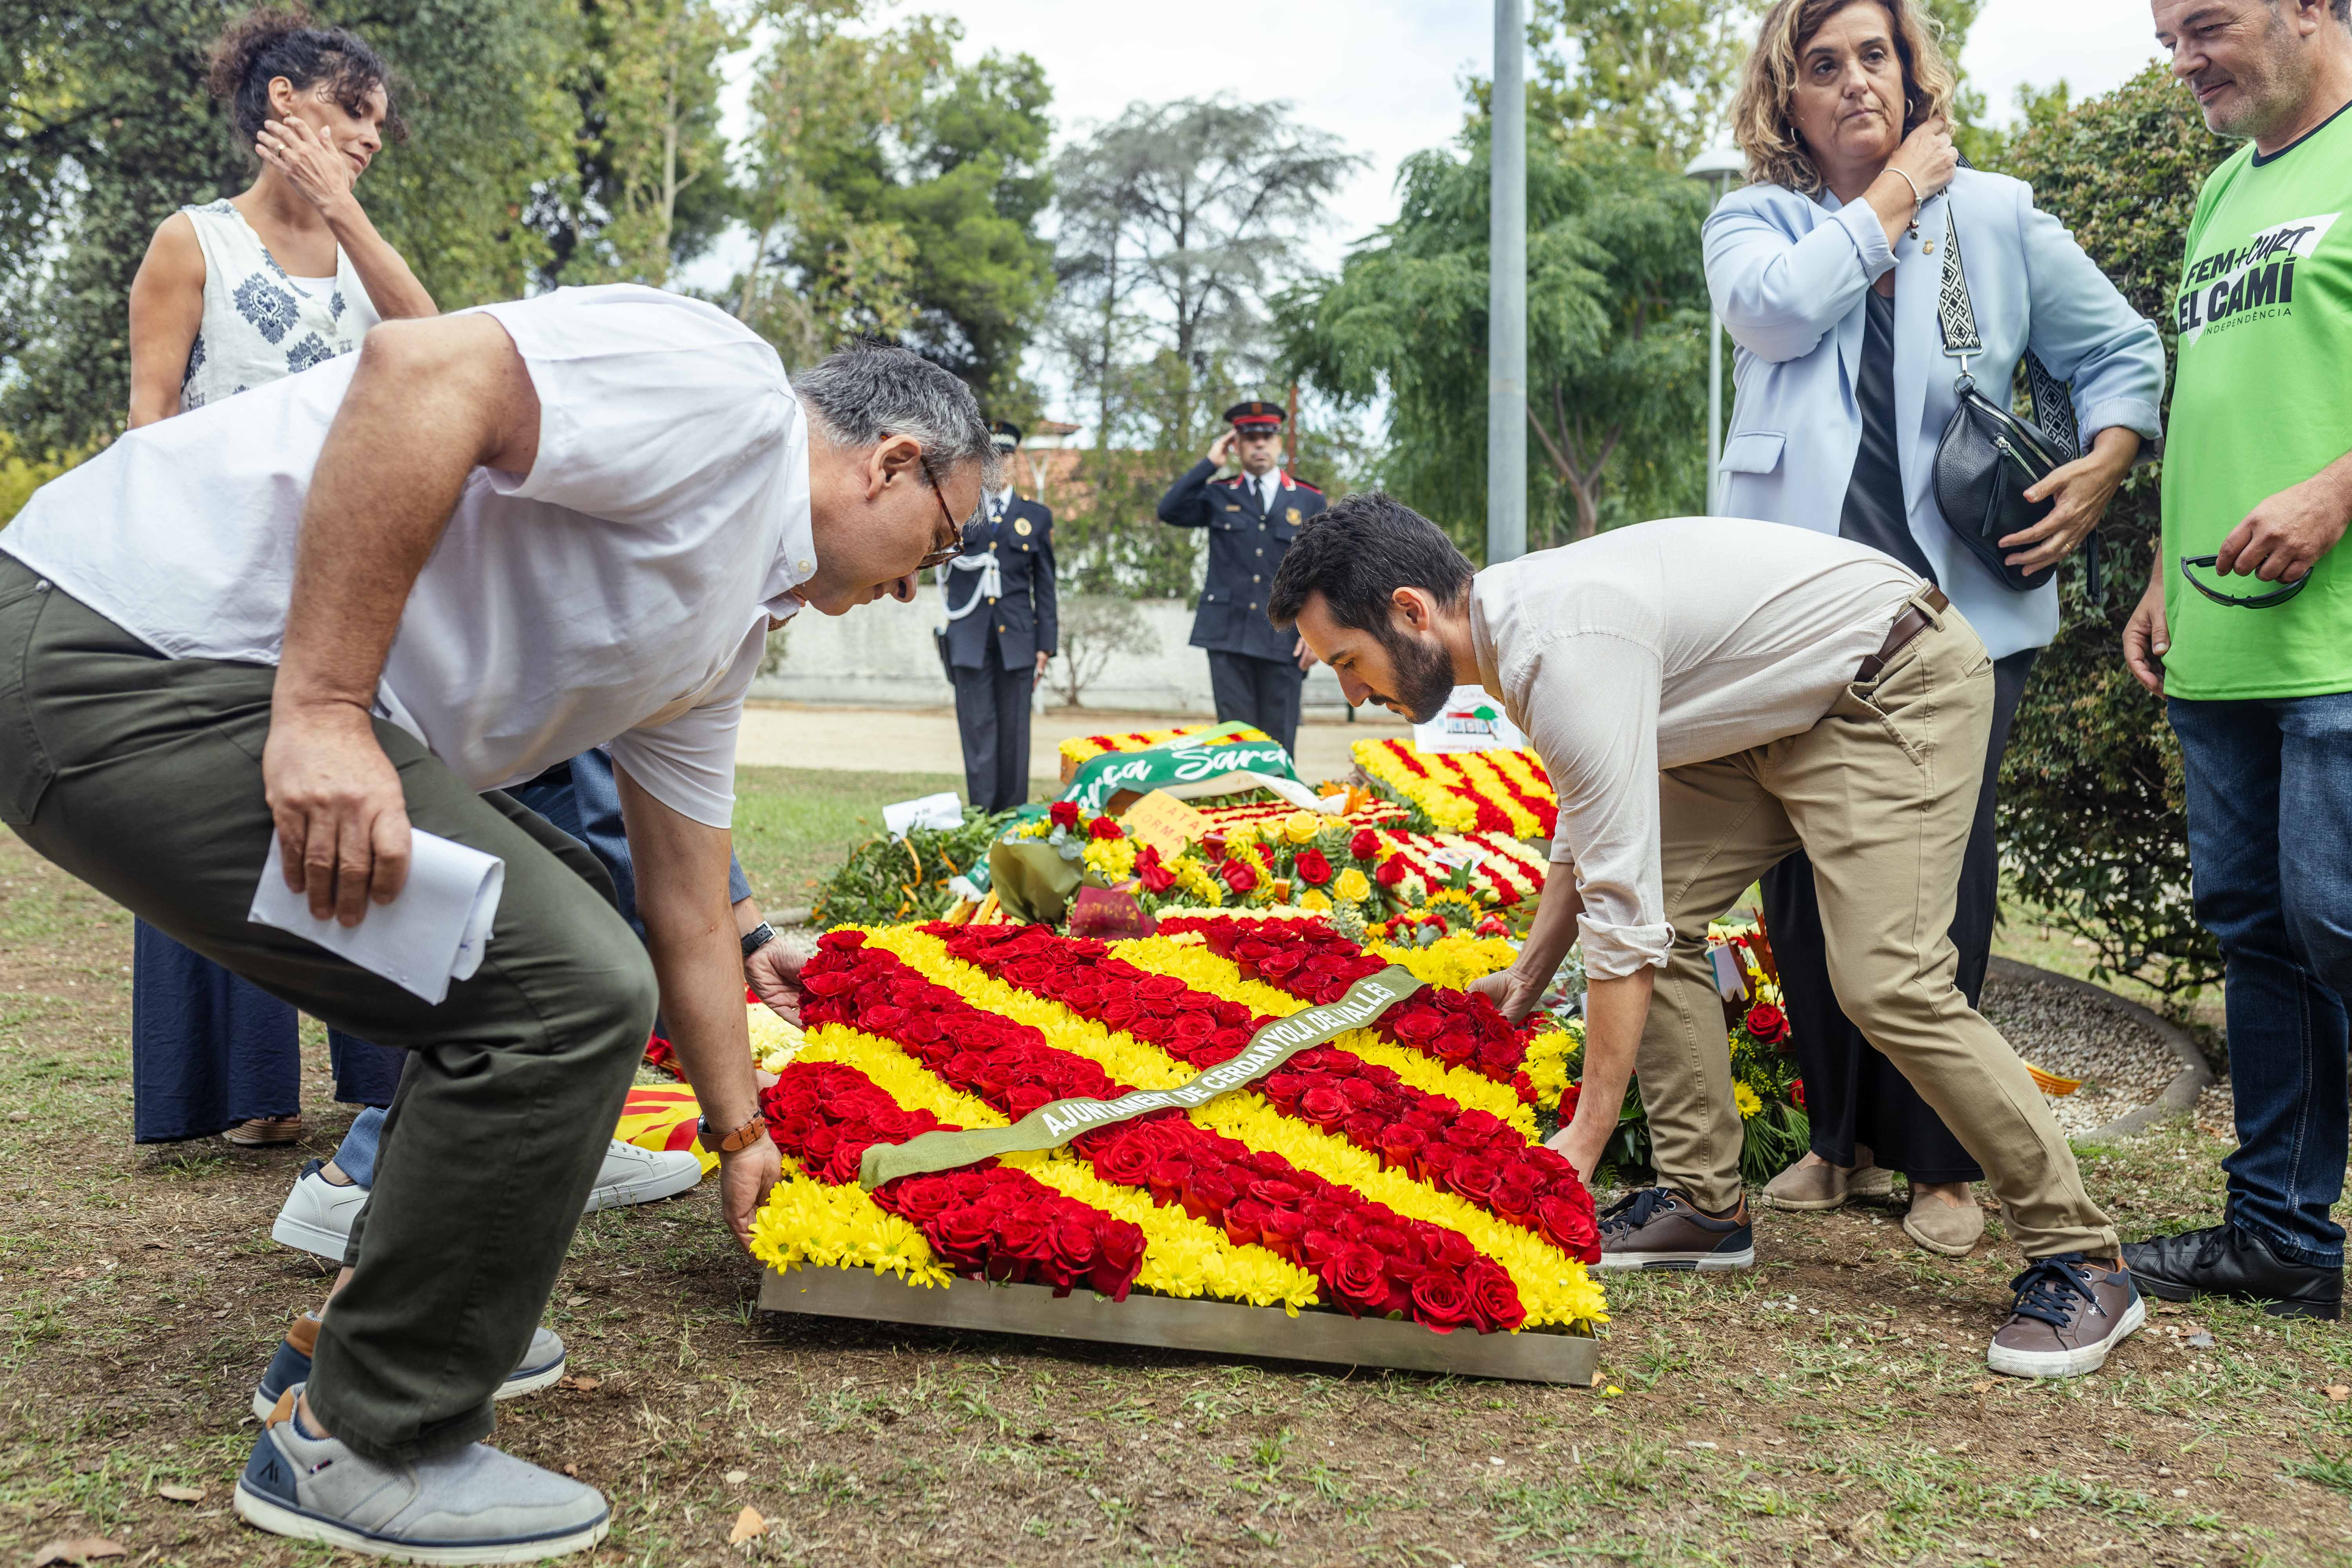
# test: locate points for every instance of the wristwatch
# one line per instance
(743, 1137)
(758, 937)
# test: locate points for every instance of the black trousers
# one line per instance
(993, 717)
(1260, 691)
(1853, 1095)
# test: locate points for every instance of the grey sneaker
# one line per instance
(1657, 1227)
(2070, 1313)
(475, 1505)
(541, 1366)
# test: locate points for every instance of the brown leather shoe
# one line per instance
(1659, 1228)
(2070, 1313)
(264, 1132)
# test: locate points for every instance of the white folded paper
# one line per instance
(942, 810)
(434, 933)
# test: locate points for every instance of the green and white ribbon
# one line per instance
(1174, 763)
(1051, 1126)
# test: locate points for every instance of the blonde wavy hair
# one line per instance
(1768, 84)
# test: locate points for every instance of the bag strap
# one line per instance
(2053, 402)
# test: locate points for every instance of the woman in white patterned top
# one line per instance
(287, 274)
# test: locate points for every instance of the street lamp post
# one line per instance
(1718, 166)
(1506, 293)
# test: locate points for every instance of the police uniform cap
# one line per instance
(1007, 434)
(1255, 416)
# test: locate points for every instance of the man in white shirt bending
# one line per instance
(1709, 694)
(369, 597)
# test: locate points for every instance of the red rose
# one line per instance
(1156, 877)
(1768, 1024)
(1392, 871)
(1493, 1300)
(1238, 876)
(1104, 827)
(1353, 1275)
(1064, 813)
(1323, 1105)
(1401, 1147)
(1281, 1232)
(1365, 843)
(1474, 1176)
(1025, 1231)
(961, 1236)
(1796, 1094)
(921, 1198)
(1567, 1220)
(1313, 869)
(1441, 1301)
(1119, 1258)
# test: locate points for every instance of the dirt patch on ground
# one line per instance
(1832, 1406)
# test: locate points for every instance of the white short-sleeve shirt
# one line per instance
(619, 592)
(1660, 645)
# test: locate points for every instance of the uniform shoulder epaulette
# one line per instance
(1230, 483)
(1301, 484)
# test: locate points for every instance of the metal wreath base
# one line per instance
(1223, 1328)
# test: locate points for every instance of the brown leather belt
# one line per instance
(1916, 618)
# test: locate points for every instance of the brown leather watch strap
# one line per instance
(743, 1137)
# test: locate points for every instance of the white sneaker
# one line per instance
(635, 1176)
(317, 1214)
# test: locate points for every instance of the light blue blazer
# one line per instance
(1788, 274)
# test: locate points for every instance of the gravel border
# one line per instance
(2193, 1078)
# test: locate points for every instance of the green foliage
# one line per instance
(1616, 335)
(649, 190)
(2091, 794)
(106, 129)
(896, 192)
(888, 880)
(1657, 74)
(20, 476)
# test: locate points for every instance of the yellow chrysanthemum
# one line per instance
(1112, 858)
(1745, 1097)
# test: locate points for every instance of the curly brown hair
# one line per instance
(1759, 112)
(270, 41)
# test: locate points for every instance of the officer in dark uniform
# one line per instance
(1255, 671)
(1001, 631)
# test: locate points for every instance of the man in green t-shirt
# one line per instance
(2246, 627)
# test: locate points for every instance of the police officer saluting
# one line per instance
(1000, 634)
(1255, 671)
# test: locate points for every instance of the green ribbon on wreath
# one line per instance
(1181, 760)
(1051, 1126)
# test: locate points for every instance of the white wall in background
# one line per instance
(882, 656)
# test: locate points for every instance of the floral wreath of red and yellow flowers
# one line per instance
(1394, 1172)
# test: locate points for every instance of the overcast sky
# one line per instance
(1386, 75)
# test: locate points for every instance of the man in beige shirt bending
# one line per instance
(1708, 694)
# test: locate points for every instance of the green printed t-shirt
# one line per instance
(2262, 401)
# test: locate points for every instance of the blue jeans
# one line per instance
(2270, 841)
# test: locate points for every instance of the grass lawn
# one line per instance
(795, 826)
(1832, 1406)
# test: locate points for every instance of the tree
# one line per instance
(1176, 222)
(1657, 74)
(896, 193)
(2091, 794)
(106, 129)
(650, 188)
(1616, 332)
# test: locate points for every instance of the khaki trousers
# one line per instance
(1880, 795)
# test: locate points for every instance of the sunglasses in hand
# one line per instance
(2242, 600)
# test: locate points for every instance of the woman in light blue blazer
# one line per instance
(1826, 271)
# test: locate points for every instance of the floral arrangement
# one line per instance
(1460, 792)
(1393, 1172)
(1080, 750)
(1412, 887)
(1764, 1083)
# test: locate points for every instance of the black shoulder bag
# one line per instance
(1988, 459)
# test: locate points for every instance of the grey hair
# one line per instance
(870, 391)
